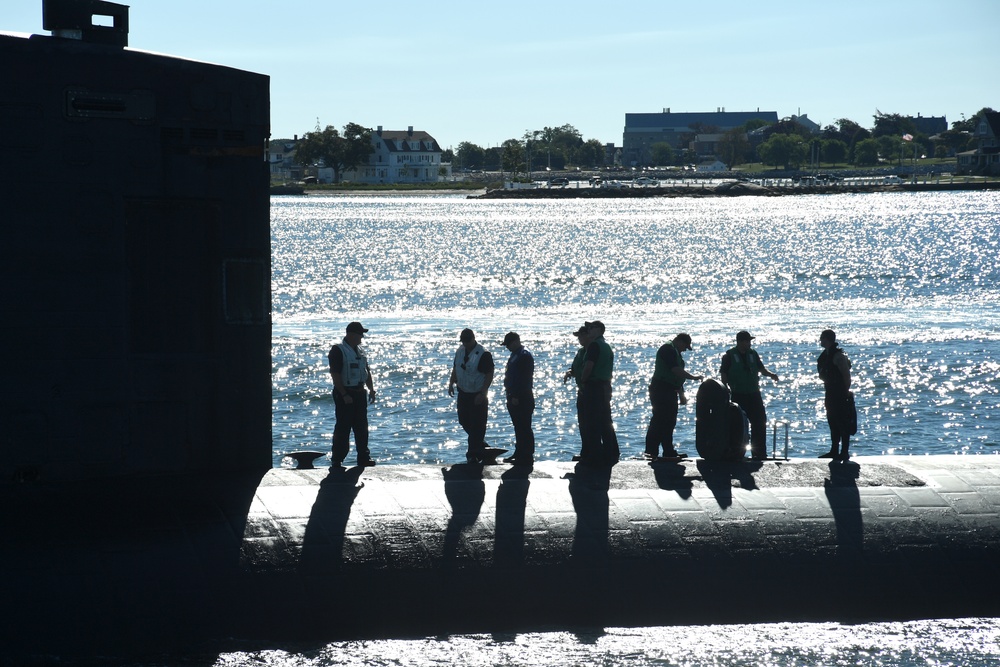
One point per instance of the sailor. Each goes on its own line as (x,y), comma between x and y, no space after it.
(472,372)
(835,370)
(666,392)
(518,384)
(351,374)
(599,442)
(740,371)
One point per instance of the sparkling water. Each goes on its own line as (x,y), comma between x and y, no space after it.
(949,643)
(908,280)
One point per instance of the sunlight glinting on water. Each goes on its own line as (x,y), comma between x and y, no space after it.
(939,643)
(909,281)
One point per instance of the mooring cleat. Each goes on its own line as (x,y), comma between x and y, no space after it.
(304,460)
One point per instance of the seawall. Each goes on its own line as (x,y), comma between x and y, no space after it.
(167,563)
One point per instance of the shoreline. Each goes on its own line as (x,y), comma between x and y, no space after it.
(727,189)
(733,189)
(395,193)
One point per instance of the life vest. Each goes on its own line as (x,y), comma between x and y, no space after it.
(743,372)
(355,370)
(577,367)
(662,373)
(829,372)
(605,362)
(470,380)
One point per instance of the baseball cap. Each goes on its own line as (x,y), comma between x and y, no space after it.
(744,335)
(355,327)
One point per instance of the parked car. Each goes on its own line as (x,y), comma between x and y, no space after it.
(613,185)
(558,182)
(595,180)
(646,180)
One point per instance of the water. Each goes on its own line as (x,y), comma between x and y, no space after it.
(909,282)
(952,643)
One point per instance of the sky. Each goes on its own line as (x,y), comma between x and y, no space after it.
(487,72)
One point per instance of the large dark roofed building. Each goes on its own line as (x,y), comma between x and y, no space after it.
(642,130)
(929,125)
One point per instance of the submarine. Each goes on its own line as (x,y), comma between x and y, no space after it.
(143,516)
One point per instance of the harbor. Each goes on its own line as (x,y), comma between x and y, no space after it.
(168,326)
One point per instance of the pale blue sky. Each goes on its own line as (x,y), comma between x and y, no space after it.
(486,72)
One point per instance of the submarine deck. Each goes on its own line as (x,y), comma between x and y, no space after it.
(421,549)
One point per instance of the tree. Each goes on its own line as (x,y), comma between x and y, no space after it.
(848,131)
(512,158)
(969,125)
(547,135)
(558,145)
(786,126)
(470,156)
(493,158)
(732,147)
(340,152)
(955,141)
(532,145)
(892,124)
(889,146)
(866,152)
(783,150)
(663,153)
(589,154)
(834,150)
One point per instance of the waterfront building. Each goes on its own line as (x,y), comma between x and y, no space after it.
(985,159)
(281,159)
(929,125)
(642,130)
(410,156)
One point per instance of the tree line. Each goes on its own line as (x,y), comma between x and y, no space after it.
(785,144)
(892,138)
(551,148)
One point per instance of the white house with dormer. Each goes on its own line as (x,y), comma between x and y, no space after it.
(410,156)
